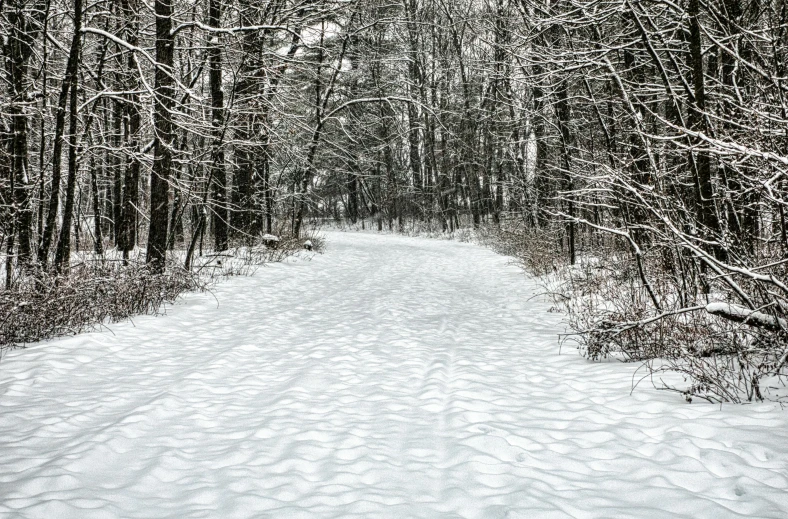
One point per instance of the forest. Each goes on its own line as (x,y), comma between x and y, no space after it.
(634,152)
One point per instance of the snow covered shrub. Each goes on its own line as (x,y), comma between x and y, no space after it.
(536,249)
(464,235)
(657,303)
(244,259)
(289,245)
(318,241)
(722,351)
(95,292)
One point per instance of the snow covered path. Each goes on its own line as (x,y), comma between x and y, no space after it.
(390,377)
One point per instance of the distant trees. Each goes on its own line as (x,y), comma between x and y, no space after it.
(662,126)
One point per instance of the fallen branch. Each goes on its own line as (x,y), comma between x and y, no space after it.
(744,315)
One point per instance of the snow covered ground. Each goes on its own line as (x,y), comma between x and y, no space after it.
(390,377)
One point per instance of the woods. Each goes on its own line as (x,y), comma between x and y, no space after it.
(639,148)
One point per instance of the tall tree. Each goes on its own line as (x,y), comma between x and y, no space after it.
(25,22)
(63,253)
(128,194)
(164,102)
(218,171)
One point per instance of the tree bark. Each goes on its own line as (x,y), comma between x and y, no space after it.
(219,174)
(69,80)
(164,84)
(129,192)
(703,180)
(63,253)
(18,48)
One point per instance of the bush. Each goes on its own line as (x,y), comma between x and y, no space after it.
(98,291)
(609,303)
(537,250)
(41,307)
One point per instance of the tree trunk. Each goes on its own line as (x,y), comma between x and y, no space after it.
(117,175)
(98,235)
(704,188)
(69,80)
(129,204)
(564,117)
(63,253)
(156,253)
(219,184)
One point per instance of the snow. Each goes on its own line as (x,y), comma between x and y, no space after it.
(390,377)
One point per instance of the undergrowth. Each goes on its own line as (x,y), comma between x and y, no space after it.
(94,292)
(102,290)
(652,315)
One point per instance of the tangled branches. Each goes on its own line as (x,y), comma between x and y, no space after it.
(94,292)
(698,341)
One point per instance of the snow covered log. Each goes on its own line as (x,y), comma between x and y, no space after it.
(744,315)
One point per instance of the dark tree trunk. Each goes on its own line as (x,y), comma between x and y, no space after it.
(98,235)
(268,194)
(415,84)
(218,173)
(352,197)
(129,202)
(42,127)
(704,188)
(564,117)
(63,253)
(156,252)
(69,80)
(117,173)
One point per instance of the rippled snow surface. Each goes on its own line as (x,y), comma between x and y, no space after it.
(390,377)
